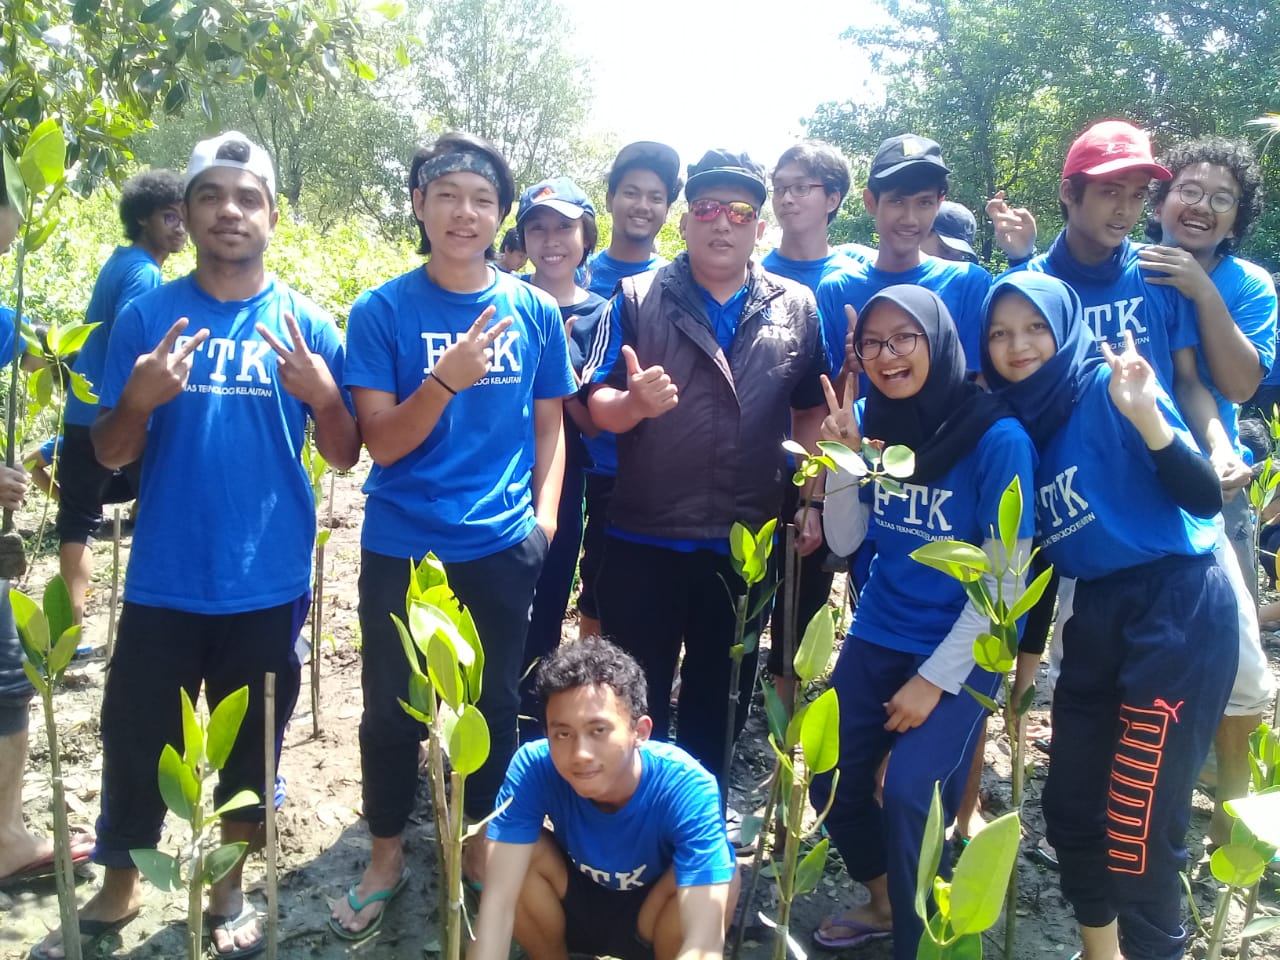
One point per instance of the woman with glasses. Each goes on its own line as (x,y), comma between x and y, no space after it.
(1201,216)
(909,653)
(1125,505)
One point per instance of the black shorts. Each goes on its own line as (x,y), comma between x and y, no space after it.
(601,922)
(599,493)
(84,485)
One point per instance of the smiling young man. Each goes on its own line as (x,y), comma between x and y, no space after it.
(221,367)
(643,183)
(150,210)
(1201,216)
(702,367)
(458,372)
(636,865)
(907,184)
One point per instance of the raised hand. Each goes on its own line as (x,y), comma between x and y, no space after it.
(1015,227)
(162,374)
(840,425)
(852,365)
(1133,386)
(1174,267)
(467,359)
(302,373)
(651,391)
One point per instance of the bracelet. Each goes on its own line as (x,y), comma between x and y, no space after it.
(810,503)
(436,378)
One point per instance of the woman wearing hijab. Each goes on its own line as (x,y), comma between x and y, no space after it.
(1124,504)
(900,673)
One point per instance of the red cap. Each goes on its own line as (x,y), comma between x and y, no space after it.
(1112,146)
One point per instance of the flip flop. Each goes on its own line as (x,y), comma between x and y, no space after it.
(47,867)
(862,935)
(230,923)
(92,933)
(1043,854)
(356,904)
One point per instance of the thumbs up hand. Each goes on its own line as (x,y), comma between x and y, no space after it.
(650,390)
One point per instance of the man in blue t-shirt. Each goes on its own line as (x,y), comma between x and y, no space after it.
(907,183)
(643,183)
(636,864)
(1201,216)
(210,380)
(150,210)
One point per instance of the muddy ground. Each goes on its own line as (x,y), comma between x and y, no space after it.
(323,844)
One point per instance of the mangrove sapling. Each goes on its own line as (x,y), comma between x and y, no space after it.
(997,650)
(1239,865)
(970,903)
(805,743)
(49,638)
(749,553)
(205,749)
(441,635)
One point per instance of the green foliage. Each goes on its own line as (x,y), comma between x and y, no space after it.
(970,903)
(102,68)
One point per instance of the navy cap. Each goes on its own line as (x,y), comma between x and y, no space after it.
(560,194)
(649,155)
(956,227)
(720,166)
(906,150)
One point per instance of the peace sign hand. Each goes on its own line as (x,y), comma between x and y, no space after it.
(1133,386)
(302,373)
(840,425)
(467,359)
(162,374)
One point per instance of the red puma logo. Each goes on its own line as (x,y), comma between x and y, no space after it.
(1171,710)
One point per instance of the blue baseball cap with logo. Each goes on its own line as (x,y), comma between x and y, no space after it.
(560,194)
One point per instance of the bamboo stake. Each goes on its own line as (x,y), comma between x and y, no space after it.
(269,796)
(115,583)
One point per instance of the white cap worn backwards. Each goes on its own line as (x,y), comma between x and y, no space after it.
(232,149)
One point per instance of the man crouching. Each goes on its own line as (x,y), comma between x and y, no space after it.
(638,866)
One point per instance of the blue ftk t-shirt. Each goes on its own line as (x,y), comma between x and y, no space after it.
(673,819)
(230,516)
(128,273)
(910,607)
(466,491)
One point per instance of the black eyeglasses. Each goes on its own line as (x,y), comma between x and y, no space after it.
(171,219)
(797,190)
(1193,193)
(739,211)
(900,344)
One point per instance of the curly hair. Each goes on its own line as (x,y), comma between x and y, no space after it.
(464,143)
(822,160)
(1233,155)
(592,662)
(145,193)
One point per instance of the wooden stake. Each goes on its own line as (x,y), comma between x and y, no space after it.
(115,583)
(269,796)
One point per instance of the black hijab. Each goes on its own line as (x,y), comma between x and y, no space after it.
(945,420)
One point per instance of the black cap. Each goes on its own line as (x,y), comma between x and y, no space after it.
(726,167)
(956,227)
(649,155)
(906,150)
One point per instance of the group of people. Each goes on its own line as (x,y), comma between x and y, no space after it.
(615,414)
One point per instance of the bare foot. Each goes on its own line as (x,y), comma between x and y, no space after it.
(381,874)
(19,849)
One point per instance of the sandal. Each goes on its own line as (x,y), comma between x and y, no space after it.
(356,904)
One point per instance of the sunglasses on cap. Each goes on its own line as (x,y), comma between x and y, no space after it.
(739,211)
